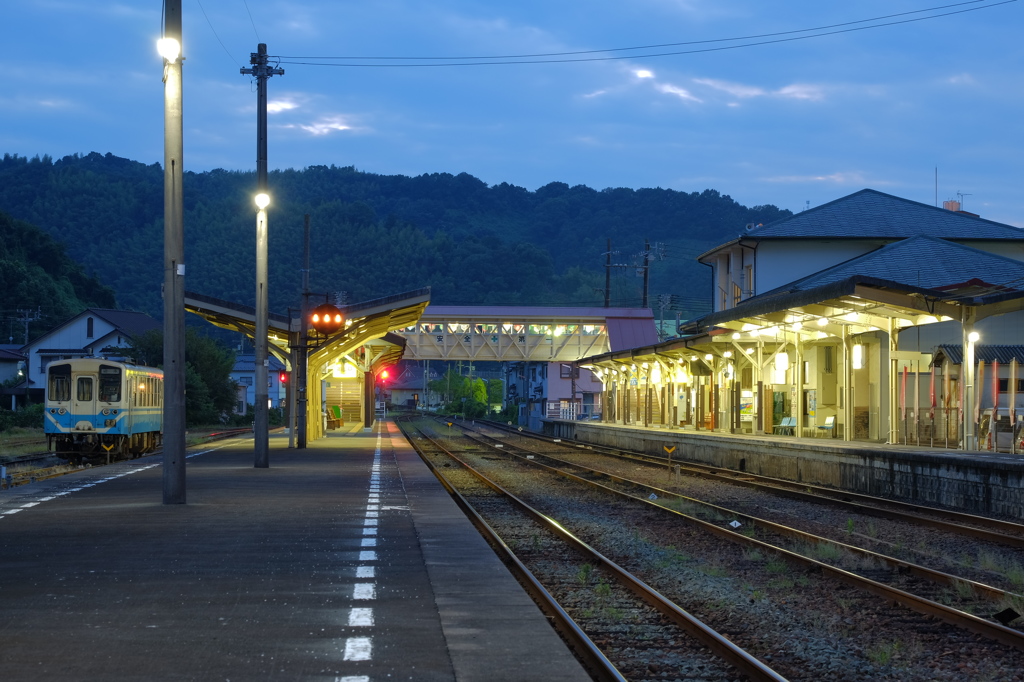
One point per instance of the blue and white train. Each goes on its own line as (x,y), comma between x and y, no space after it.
(98,408)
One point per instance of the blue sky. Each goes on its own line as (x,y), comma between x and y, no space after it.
(786,123)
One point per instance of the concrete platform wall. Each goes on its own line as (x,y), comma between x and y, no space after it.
(977,483)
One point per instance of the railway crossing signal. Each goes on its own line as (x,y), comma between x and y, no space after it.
(326,319)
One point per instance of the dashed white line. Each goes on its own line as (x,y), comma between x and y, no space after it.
(360,618)
(358,649)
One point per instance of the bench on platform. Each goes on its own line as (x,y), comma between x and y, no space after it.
(829,425)
(786,426)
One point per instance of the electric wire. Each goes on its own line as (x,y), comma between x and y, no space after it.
(200,3)
(244,2)
(504,60)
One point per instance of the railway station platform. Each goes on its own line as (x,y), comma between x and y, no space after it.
(346,561)
(988,483)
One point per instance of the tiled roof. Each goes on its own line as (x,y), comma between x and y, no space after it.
(10,355)
(130,323)
(983,353)
(871,214)
(925,263)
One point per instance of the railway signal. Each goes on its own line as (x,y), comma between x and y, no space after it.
(326,319)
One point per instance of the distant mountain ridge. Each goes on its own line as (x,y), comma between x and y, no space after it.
(373,235)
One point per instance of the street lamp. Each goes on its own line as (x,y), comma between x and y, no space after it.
(174,262)
(261,414)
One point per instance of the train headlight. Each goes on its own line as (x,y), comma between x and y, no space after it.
(106,411)
(61,411)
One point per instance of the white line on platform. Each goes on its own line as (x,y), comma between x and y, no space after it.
(368,542)
(360,618)
(368,556)
(365,572)
(358,649)
(364,591)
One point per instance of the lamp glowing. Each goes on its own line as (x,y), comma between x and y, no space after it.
(169,49)
(262,200)
(973,337)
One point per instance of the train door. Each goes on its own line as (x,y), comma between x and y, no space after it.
(83,396)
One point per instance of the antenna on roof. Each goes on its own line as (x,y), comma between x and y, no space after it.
(807,204)
(961,196)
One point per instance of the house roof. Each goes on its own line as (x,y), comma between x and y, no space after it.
(872,214)
(129,322)
(982,353)
(10,355)
(924,263)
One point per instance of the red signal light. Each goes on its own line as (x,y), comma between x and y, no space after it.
(384,375)
(283,377)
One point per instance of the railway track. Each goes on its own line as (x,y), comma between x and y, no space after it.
(559,568)
(995,530)
(880,575)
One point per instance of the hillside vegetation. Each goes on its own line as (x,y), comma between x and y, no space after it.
(375,234)
(39,279)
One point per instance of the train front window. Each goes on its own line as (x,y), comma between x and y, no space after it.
(110,384)
(84,391)
(60,383)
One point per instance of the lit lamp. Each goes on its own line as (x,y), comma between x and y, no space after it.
(262,201)
(169,49)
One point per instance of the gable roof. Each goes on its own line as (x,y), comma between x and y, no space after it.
(924,263)
(871,214)
(126,321)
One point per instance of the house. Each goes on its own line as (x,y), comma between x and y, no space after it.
(819,317)
(12,374)
(763,258)
(244,376)
(94,332)
(407,386)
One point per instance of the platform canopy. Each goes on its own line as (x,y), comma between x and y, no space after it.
(367,340)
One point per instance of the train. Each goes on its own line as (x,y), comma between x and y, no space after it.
(101,409)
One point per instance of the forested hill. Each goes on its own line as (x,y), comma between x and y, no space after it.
(375,234)
(40,282)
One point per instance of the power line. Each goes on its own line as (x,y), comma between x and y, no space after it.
(541,58)
(251,21)
(200,3)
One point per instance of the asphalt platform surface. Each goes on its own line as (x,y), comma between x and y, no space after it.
(346,561)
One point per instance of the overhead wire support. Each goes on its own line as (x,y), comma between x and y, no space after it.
(261,71)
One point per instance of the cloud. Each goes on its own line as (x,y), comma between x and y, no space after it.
(278,105)
(800,91)
(854,178)
(323,126)
(734,89)
(962,79)
(681,93)
(794,91)
(643,73)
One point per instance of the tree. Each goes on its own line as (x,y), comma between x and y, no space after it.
(209,389)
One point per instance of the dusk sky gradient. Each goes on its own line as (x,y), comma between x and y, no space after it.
(786,123)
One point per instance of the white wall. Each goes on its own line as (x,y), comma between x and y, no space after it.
(781,262)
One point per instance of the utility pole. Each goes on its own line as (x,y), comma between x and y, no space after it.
(261,427)
(301,367)
(28,316)
(174,262)
(647,270)
(608,276)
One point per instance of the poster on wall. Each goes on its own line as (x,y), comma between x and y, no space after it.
(746,406)
(811,396)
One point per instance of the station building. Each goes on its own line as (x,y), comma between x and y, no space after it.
(829,323)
